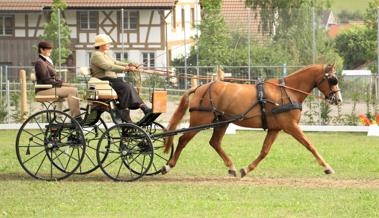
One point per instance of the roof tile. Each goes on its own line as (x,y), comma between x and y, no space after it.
(33,5)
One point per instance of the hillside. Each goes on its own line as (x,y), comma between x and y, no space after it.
(350,5)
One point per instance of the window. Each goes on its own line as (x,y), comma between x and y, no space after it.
(183,18)
(192,17)
(88,20)
(130,20)
(118,56)
(148,59)
(88,58)
(170,57)
(174,19)
(6,25)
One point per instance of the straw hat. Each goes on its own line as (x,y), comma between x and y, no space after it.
(102,39)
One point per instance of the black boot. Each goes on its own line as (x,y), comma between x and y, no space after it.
(146,110)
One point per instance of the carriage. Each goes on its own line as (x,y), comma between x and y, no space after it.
(51,145)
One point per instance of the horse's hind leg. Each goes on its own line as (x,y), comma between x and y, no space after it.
(270,138)
(296,132)
(215,142)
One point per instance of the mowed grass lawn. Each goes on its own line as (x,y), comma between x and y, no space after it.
(288,183)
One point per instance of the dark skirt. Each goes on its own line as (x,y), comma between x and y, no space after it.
(127,94)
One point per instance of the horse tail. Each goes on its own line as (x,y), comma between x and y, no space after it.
(177,117)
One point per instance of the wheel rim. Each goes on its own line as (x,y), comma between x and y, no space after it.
(44,148)
(127,155)
(160,158)
(92,136)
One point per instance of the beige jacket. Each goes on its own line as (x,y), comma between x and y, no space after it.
(102,65)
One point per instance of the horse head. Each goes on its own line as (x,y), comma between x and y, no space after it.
(328,85)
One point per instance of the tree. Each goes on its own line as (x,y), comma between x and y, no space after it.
(281,14)
(214,40)
(371,15)
(371,21)
(292,21)
(357,46)
(51,32)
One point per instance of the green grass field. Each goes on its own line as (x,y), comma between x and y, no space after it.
(349,5)
(288,183)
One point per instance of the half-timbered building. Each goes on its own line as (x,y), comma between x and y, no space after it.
(143,31)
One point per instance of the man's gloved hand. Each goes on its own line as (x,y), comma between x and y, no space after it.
(135,67)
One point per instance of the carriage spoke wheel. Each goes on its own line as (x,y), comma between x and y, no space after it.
(92,136)
(50,145)
(160,158)
(125,152)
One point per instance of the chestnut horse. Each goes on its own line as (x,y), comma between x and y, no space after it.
(222,100)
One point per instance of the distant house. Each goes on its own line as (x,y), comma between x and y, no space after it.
(181,27)
(149,30)
(328,19)
(242,19)
(336,29)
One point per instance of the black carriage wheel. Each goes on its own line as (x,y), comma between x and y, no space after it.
(160,158)
(50,145)
(127,152)
(92,135)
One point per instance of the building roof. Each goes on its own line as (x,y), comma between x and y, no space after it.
(38,5)
(236,16)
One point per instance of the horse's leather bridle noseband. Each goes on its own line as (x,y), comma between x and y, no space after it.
(332,81)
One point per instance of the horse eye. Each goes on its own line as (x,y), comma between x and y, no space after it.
(333,81)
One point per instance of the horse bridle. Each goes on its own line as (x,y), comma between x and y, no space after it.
(332,81)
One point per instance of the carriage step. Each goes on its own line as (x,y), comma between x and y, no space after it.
(147,120)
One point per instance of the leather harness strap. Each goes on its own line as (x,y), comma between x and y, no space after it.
(262,102)
(285,107)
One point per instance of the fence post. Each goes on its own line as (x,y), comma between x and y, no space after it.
(24,111)
(284,70)
(194,82)
(220,74)
(8,101)
(1,81)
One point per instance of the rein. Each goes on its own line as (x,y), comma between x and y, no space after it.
(301,91)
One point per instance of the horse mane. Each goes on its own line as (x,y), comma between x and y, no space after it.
(303,69)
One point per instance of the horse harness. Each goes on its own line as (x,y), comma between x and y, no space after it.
(261,101)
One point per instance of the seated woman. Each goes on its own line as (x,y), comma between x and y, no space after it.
(104,67)
(46,74)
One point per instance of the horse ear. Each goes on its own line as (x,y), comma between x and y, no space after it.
(330,67)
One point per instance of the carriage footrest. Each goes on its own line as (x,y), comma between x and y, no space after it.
(287,107)
(147,120)
(60,126)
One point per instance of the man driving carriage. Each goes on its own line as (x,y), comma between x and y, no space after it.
(103,67)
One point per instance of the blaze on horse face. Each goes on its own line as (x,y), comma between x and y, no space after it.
(328,85)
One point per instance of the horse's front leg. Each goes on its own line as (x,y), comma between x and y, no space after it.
(269,140)
(215,142)
(298,134)
(183,141)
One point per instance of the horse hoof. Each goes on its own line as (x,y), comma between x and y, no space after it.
(232,173)
(165,169)
(329,171)
(243,172)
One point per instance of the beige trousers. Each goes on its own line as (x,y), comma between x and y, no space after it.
(71,93)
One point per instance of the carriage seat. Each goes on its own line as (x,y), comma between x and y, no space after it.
(44,98)
(98,89)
